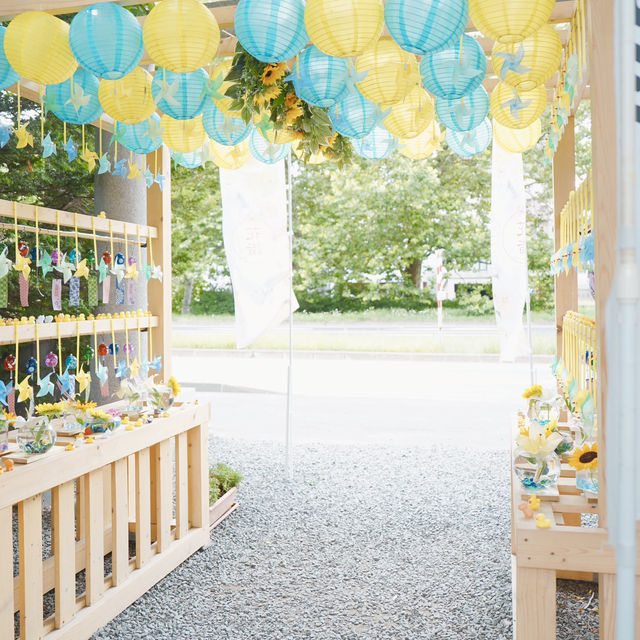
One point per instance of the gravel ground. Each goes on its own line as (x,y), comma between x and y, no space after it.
(365,543)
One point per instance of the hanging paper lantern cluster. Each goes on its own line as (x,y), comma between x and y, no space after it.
(7,75)
(422,146)
(517,109)
(421,26)
(180,95)
(463,114)
(377,145)
(467,144)
(266,151)
(354,116)
(410,117)
(76,100)
(319,79)
(144,137)
(183,135)
(129,99)
(517,140)
(230,158)
(223,128)
(271,30)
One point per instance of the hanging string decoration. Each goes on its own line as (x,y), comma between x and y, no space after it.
(223,128)
(517,140)
(517,109)
(144,137)
(107,40)
(354,116)
(76,100)
(467,144)
(181,35)
(271,30)
(424,145)
(410,117)
(180,95)
(230,158)
(527,64)
(377,145)
(266,151)
(183,135)
(37,47)
(463,114)
(421,26)
(129,99)
(344,29)
(453,73)
(319,79)
(7,74)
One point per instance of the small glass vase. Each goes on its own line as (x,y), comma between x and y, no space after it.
(536,472)
(566,444)
(587,480)
(544,410)
(36,436)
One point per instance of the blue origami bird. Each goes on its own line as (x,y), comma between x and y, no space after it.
(71,149)
(5,390)
(46,386)
(120,169)
(512,62)
(105,165)
(148,177)
(5,136)
(65,382)
(516,105)
(49,147)
(121,369)
(156,364)
(144,368)
(160,180)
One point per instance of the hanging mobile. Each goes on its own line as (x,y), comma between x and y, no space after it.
(45,385)
(74,257)
(23,388)
(66,382)
(92,282)
(83,378)
(134,369)
(118,271)
(56,260)
(8,392)
(102,373)
(131,274)
(23,262)
(105,268)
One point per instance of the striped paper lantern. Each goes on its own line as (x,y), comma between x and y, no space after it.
(319,79)
(467,144)
(82,87)
(517,140)
(377,145)
(354,116)
(7,74)
(223,128)
(517,109)
(422,146)
(129,99)
(139,137)
(410,117)
(266,151)
(230,158)
(184,136)
(463,114)
(180,95)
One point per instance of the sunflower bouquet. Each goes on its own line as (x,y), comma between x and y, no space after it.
(585,461)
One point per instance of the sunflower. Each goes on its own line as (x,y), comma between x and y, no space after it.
(585,458)
(49,408)
(267,96)
(332,139)
(533,392)
(174,386)
(291,100)
(98,414)
(272,73)
(84,406)
(293,114)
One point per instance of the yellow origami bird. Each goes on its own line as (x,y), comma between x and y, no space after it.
(25,389)
(82,271)
(23,265)
(134,172)
(83,378)
(90,158)
(131,272)
(24,137)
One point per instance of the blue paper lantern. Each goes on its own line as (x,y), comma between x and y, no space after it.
(319,79)
(223,128)
(141,138)
(420,26)
(7,75)
(271,30)
(354,116)
(67,100)
(466,113)
(107,40)
(449,74)
(265,151)
(467,144)
(180,95)
(377,145)
(188,160)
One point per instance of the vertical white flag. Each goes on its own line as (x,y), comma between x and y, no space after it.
(509,250)
(254,222)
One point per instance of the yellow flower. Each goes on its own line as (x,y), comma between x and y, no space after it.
(49,408)
(84,406)
(524,431)
(536,442)
(585,458)
(293,114)
(551,428)
(98,414)
(267,96)
(533,392)
(332,140)
(272,73)
(291,100)
(174,386)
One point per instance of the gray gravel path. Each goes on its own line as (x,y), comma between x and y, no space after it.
(367,543)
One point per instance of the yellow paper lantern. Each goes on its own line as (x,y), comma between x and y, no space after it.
(230,158)
(390,71)
(129,99)
(37,47)
(184,136)
(527,64)
(424,145)
(510,20)
(344,29)
(181,35)
(517,140)
(412,115)
(517,109)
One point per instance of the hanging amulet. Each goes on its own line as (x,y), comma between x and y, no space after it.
(102,349)
(106,256)
(51,360)
(10,363)
(23,249)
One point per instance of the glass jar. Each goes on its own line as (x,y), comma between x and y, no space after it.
(566,444)
(36,436)
(587,480)
(544,410)
(536,472)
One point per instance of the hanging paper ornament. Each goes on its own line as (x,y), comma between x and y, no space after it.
(218,87)
(450,73)
(411,116)
(271,30)
(230,158)
(527,64)
(509,20)
(183,135)
(181,35)
(319,79)
(463,114)
(422,146)
(517,109)
(76,100)
(188,160)
(7,75)
(377,145)
(107,40)
(129,99)
(265,151)
(467,144)
(420,26)
(223,128)
(517,140)
(10,363)
(180,95)
(344,29)
(390,72)
(142,138)
(32,366)
(354,116)
(37,47)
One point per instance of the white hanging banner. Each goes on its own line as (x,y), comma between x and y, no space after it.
(509,250)
(254,224)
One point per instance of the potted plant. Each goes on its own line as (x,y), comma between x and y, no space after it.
(223,486)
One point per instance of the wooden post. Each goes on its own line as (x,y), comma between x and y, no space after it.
(535,604)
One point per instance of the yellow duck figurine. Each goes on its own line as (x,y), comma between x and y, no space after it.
(534,503)
(542,522)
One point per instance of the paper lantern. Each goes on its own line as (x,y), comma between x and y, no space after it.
(188,160)
(377,145)
(141,138)
(223,128)
(420,26)
(37,47)
(448,73)
(76,100)
(510,20)
(344,29)
(517,140)
(230,158)
(467,144)
(527,64)
(265,151)
(411,116)
(319,79)
(183,135)
(517,109)
(271,30)
(422,146)
(181,35)
(463,114)
(107,40)
(129,99)
(279,136)
(354,116)
(390,72)
(7,75)
(180,95)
